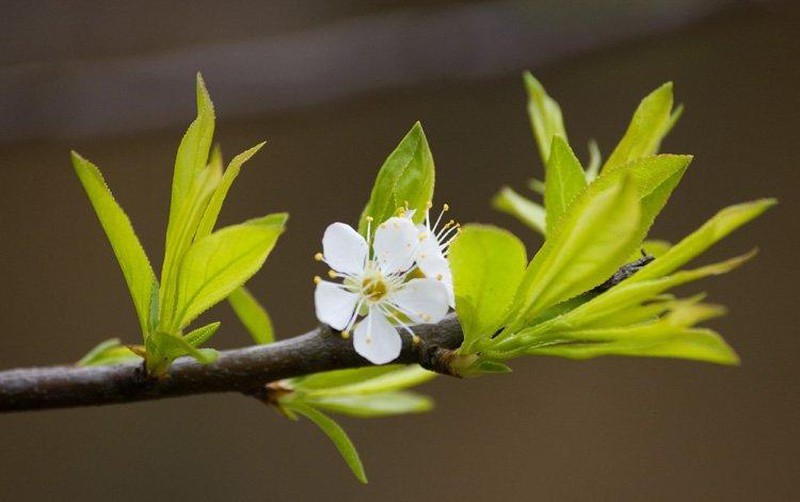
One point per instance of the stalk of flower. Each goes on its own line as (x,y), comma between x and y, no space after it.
(375,285)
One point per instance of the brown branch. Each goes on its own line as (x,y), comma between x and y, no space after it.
(245,370)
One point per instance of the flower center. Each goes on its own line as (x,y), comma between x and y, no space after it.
(374,288)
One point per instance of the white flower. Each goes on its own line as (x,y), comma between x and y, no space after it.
(431,255)
(375,286)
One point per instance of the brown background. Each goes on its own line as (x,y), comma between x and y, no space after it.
(554,429)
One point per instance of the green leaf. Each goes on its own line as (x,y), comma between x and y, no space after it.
(163,348)
(193,184)
(564,180)
(487,265)
(595,161)
(129,252)
(714,230)
(375,405)
(528,212)
(373,383)
(337,435)
(107,353)
(628,294)
(407,176)
(193,150)
(592,241)
(655,178)
(201,335)
(221,262)
(253,316)
(339,378)
(651,340)
(209,219)
(545,116)
(651,121)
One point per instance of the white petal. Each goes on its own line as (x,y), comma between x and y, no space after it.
(376,339)
(344,249)
(334,305)
(423,300)
(395,243)
(430,258)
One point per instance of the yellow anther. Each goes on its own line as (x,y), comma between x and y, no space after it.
(318,256)
(415,340)
(426,317)
(345,335)
(422,237)
(439,277)
(369,218)
(446,207)
(332,274)
(429,204)
(317,279)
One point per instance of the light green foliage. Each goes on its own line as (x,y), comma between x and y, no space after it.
(545,116)
(337,435)
(406,179)
(127,248)
(221,262)
(527,211)
(107,353)
(592,240)
(564,180)
(651,121)
(369,392)
(487,265)
(254,317)
(596,223)
(201,267)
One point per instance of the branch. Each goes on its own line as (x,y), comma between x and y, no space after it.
(246,370)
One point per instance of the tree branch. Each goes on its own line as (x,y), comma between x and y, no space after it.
(245,370)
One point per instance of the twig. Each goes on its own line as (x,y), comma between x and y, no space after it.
(245,370)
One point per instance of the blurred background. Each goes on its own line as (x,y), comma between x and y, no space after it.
(332,87)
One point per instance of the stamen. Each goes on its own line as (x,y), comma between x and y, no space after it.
(345,335)
(318,257)
(332,274)
(415,340)
(317,279)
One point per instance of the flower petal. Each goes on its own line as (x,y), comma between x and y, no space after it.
(344,249)
(376,339)
(423,300)
(334,305)
(396,241)
(438,268)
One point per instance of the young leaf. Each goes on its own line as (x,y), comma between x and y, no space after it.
(129,252)
(252,315)
(201,335)
(595,161)
(628,294)
(487,265)
(714,230)
(107,353)
(375,405)
(221,262)
(564,180)
(337,435)
(398,379)
(209,219)
(650,340)
(193,183)
(407,176)
(528,212)
(545,116)
(170,347)
(340,378)
(651,121)
(592,240)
